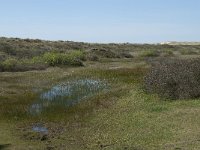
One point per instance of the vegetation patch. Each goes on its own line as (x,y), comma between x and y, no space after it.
(103,53)
(73,58)
(175,78)
(125,117)
(150,53)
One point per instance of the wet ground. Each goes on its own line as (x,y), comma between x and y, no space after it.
(68,94)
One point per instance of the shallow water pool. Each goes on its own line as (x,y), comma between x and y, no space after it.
(68,94)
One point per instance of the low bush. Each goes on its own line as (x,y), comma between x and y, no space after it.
(103,53)
(36,60)
(167,53)
(188,52)
(3,56)
(73,58)
(52,58)
(7,48)
(77,54)
(126,55)
(15,65)
(9,64)
(92,57)
(150,53)
(175,79)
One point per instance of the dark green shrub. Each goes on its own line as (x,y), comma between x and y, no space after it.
(175,78)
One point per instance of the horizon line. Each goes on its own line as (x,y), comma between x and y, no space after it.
(56,40)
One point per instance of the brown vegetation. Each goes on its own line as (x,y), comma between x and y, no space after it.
(175,78)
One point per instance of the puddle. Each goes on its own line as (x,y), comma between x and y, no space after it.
(40,129)
(68,94)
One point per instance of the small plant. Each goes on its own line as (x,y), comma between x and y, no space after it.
(175,79)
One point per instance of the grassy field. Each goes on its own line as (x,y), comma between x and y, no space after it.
(124,117)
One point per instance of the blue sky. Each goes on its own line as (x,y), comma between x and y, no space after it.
(134,21)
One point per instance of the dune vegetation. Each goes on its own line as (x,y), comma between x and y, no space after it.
(145,96)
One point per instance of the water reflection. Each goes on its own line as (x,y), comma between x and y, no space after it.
(68,94)
(40,129)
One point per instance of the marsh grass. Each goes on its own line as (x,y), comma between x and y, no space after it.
(17,106)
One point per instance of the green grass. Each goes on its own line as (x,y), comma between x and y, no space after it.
(131,123)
